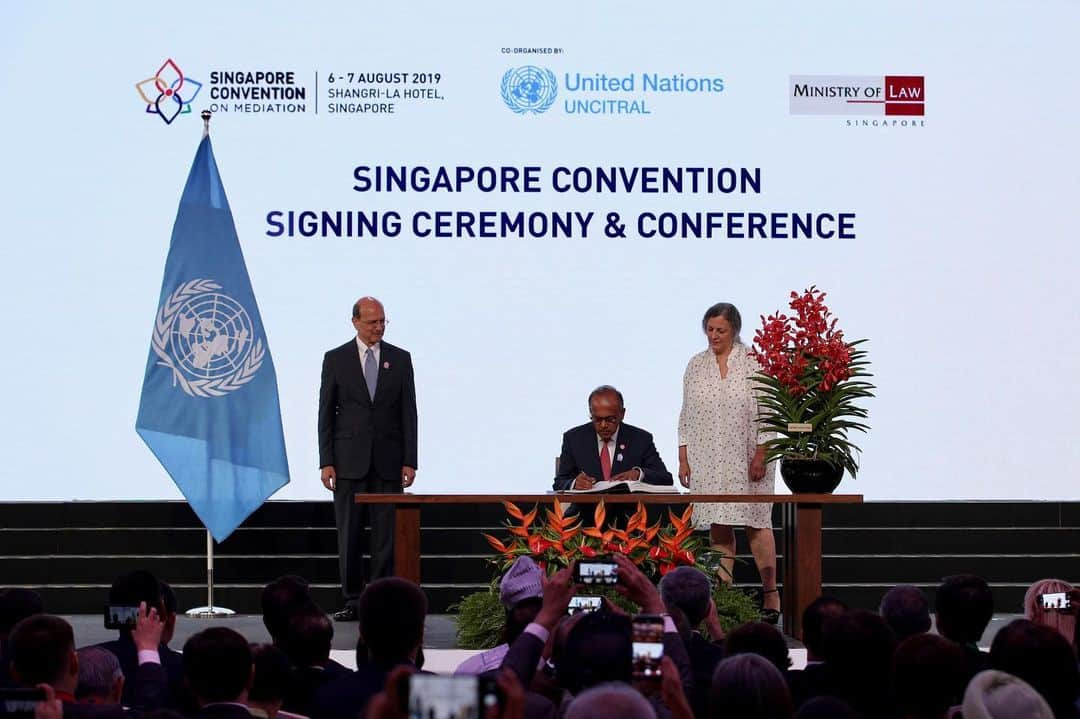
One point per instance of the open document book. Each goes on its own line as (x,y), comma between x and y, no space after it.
(626,488)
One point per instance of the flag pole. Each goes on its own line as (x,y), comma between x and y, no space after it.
(209,611)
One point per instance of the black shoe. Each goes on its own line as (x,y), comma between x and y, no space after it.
(770,616)
(348,614)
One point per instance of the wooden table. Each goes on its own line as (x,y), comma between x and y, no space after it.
(801,548)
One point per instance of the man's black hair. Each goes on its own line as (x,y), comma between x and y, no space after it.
(282,598)
(308,639)
(217,665)
(391,612)
(39,649)
(964,607)
(273,673)
(597,650)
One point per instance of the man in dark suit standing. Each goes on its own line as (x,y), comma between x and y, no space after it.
(605,449)
(367,442)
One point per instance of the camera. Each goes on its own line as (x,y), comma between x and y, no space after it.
(435,696)
(647,645)
(584,604)
(1055,600)
(120,617)
(596,571)
(19,702)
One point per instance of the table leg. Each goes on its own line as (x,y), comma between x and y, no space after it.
(407,541)
(804,566)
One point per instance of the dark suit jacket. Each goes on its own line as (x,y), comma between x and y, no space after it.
(346,696)
(176,696)
(356,433)
(581,453)
(306,682)
(222,711)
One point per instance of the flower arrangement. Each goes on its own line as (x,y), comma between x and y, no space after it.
(810,383)
(560,539)
(556,540)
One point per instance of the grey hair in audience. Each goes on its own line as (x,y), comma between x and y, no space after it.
(907,611)
(748,685)
(997,695)
(688,589)
(99,671)
(613,700)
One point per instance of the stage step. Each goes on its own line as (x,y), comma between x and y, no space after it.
(71,551)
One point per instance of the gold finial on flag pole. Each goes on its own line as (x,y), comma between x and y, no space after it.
(206,123)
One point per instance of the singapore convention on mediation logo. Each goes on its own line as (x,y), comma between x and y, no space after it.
(168,94)
(529,89)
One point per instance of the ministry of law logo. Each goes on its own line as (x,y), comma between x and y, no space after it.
(207,339)
(168,94)
(529,89)
(890,95)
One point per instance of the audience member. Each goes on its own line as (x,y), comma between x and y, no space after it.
(391,613)
(170,606)
(307,643)
(762,639)
(16,604)
(814,680)
(997,695)
(1043,658)
(688,591)
(964,607)
(907,611)
(858,647)
(101,681)
(281,599)
(131,590)
(826,707)
(1061,619)
(43,652)
(749,685)
(614,700)
(219,670)
(927,677)
(273,676)
(520,591)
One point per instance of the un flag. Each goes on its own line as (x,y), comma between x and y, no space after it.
(209,409)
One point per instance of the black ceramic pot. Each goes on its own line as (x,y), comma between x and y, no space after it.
(810,476)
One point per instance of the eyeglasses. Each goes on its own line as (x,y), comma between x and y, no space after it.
(371,323)
(604,420)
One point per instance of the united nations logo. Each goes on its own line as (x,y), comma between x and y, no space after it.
(529,89)
(207,339)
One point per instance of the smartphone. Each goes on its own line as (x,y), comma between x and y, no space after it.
(647,645)
(584,604)
(1056,600)
(596,571)
(438,696)
(120,617)
(20,702)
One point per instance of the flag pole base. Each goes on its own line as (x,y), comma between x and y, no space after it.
(209,613)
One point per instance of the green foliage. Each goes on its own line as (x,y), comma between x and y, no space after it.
(481,620)
(734,607)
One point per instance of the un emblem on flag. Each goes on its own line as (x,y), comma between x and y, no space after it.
(207,339)
(529,89)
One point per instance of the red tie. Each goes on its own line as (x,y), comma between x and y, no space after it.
(605,461)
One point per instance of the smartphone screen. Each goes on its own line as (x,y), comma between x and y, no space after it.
(19,701)
(584,604)
(1055,600)
(120,617)
(594,571)
(647,645)
(436,696)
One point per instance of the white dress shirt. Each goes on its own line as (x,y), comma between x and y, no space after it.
(613,448)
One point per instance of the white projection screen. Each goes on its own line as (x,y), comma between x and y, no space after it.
(932,146)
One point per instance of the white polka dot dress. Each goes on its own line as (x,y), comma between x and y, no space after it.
(718,425)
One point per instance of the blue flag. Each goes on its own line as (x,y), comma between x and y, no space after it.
(209,409)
